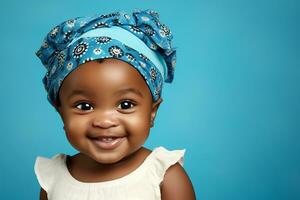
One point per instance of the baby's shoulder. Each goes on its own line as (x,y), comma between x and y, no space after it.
(47,169)
(162,159)
(176,184)
(174,181)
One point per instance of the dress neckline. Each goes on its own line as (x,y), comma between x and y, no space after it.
(124,179)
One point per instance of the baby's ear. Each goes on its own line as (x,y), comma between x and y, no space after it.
(57,106)
(155,107)
(58,109)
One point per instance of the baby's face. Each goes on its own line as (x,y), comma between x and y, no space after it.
(102,100)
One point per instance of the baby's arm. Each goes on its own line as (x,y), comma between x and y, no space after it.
(43,195)
(177,185)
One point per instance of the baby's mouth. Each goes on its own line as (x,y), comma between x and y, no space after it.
(107,142)
(106,139)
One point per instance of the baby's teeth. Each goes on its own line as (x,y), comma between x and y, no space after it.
(107,139)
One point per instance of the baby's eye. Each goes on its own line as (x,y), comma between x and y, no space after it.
(84,106)
(126,105)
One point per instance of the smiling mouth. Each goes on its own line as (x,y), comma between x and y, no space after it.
(107,143)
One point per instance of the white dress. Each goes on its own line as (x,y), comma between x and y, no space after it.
(141,184)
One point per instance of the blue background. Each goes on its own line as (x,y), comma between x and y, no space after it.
(233,105)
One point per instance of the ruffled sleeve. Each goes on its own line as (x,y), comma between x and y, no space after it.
(163,159)
(46,170)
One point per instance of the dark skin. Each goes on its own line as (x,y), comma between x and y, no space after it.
(121,105)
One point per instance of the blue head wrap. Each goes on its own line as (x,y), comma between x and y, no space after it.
(139,39)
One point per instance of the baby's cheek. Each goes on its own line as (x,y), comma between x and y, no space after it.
(138,124)
(75,125)
(76,132)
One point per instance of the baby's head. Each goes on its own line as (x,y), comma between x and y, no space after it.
(105,77)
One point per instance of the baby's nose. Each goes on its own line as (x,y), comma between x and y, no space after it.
(104,120)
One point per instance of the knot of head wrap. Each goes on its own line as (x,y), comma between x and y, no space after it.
(69,44)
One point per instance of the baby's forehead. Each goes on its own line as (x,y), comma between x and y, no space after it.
(107,71)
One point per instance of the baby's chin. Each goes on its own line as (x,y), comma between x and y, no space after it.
(109,158)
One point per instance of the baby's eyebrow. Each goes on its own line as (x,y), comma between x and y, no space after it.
(122,91)
(76,92)
(128,90)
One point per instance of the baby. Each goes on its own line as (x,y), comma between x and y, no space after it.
(104,77)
